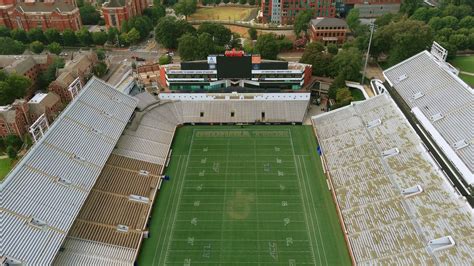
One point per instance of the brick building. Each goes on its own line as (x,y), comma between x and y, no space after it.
(285,11)
(328,30)
(116,11)
(48,104)
(14,119)
(80,67)
(373,8)
(29,66)
(57,14)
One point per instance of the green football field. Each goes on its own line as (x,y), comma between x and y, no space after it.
(255,195)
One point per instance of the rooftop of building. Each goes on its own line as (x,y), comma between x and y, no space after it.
(46,7)
(329,22)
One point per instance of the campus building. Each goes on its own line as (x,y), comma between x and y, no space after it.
(235,71)
(374,8)
(328,30)
(30,14)
(285,11)
(116,11)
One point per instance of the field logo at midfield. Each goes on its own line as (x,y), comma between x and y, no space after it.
(238,207)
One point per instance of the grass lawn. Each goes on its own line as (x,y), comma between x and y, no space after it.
(467,78)
(357,95)
(223,13)
(5,167)
(465,63)
(255,196)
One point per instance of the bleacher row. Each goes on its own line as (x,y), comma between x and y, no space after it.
(116,212)
(425,82)
(387,218)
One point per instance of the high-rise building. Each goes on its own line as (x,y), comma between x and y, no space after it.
(285,11)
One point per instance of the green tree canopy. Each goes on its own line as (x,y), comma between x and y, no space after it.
(220,34)
(187,47)
(99,37)
(347,63)
(352,19)
(69,38)
(302,21)
(54,48)
(12,152)
(409,6)
(253,33)
(36,34)
(133,36)
(164,59)
(100,69)
(100,54)
(267,46)
(89,14)
(112,35)
(169,30)
(4,31)
(84,36)
(402,39)
(37,47)
(10,46)
(155,13)
(185,7)
(19,35)
(343,95)
(13,87)
(314,55)
(52,35)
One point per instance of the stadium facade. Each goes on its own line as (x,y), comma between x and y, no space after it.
(235,71)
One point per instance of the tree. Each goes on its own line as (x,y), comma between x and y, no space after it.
(112,35)
(155,13)
(142,24)
(69,38)
(84,36)
(205,45)
(19,35)
(242,2)
(99,37)
(133,36)
(164,60)
(37,47)
(4,31)
(100,54)
(10,46)
(343,95)
(124,28)
(467,22)
(100,69)
(185,7)
(426,13)
(14,141)
(347,63)
(169,30)
(267,46)
(314,55)
(54,48)
(461,41)
(401,39)
(253,33)
(47,76)
(252,2)
(332,48)
(220,34)
(14,86)
(302,21)
(409,6)
(36,34)
(89,15)
(52,35)
(187,47)
(353,19)
(12,153)
(458,11)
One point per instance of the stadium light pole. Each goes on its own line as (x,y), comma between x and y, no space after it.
(372,28)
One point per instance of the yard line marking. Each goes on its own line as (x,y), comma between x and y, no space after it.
(303,202)
(179,199)
(225,193)
(314,211)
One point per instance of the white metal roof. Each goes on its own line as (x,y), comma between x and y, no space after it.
(235,96)
(54,178)
(442,102)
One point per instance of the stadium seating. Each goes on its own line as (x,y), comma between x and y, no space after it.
(392,203)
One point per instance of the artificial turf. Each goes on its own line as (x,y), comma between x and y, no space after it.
(252,195)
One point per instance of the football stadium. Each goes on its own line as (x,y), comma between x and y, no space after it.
(245,178)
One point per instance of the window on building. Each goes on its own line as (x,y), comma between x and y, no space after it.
(201,114)
(263,115)
(232,114)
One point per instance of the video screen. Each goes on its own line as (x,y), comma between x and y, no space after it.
(234,67)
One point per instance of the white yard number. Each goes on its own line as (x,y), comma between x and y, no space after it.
(289,241)
(187,262)
(284,203)
(286,221)
(194,221)
(191,241)
(196,203)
